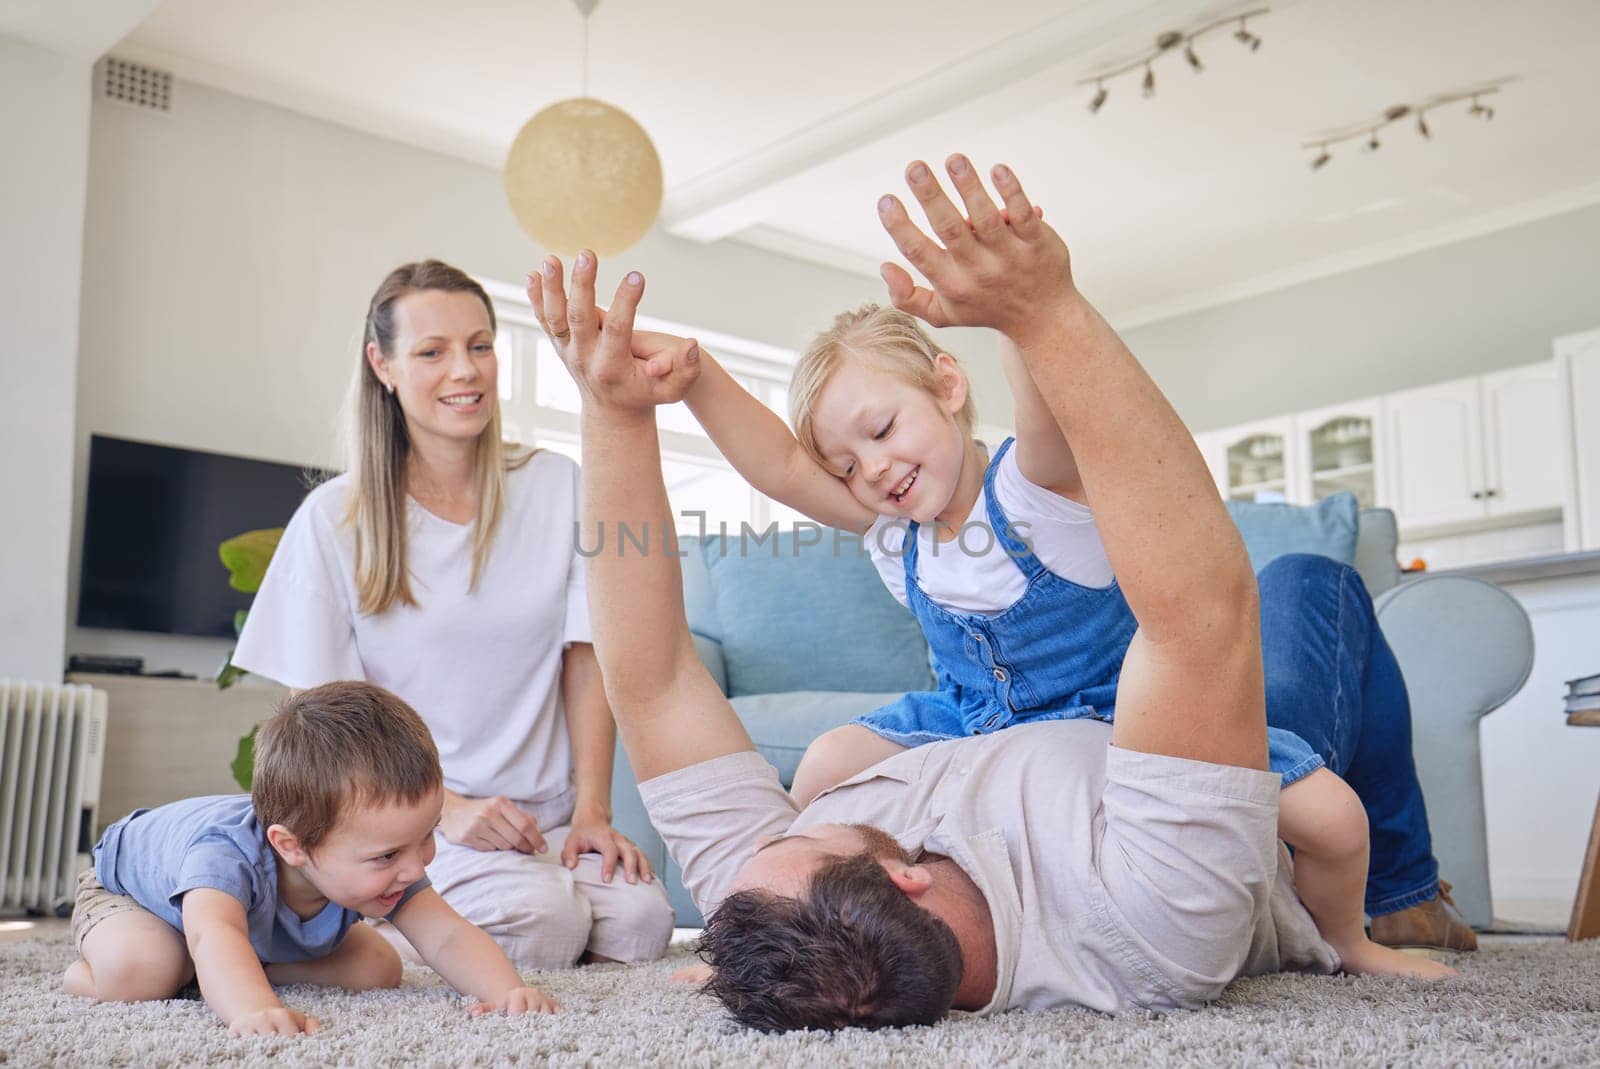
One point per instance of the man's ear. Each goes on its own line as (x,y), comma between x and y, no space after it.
(913,880)
(287,845)
(953,385)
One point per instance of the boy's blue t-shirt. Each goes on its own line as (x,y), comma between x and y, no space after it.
(156,855)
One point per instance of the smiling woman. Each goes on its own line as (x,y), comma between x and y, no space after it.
(442,567)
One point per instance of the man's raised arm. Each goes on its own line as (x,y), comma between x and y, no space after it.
(669,711)
(1191,685)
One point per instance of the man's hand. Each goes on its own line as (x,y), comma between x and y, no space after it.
(597,836)
(490,824)
(276,1021)
(518,1000)
(597,345)
(995,267)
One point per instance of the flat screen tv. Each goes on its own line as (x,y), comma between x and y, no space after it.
(152,523)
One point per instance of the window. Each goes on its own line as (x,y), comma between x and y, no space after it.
(539,405)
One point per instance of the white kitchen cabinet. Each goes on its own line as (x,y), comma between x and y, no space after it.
(1476,449)
(1261,461)
(1214,452)
(1522,443)
(1340,448)
(1434,438)
(1578,365)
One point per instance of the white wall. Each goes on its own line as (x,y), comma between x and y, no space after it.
(1478,305)
(231,249)
(44,126)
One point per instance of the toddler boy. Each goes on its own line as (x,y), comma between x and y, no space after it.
(245,892)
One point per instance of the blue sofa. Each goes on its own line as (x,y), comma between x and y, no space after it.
(802,636)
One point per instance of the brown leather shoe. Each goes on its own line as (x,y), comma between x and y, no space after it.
(1434,924)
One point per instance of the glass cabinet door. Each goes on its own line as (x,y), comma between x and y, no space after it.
(1339,449)
(1342,459)
(1258,465)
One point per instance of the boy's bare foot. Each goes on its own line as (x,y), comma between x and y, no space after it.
(693,974)
(1368,958)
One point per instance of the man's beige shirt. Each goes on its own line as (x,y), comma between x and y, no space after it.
(1116,879)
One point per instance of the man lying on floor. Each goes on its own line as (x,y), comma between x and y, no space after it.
(1134,864)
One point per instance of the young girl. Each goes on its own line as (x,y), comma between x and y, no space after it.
(1000,561)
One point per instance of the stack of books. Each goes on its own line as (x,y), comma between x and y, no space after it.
(1583,701)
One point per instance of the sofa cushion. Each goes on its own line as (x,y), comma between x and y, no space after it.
(783,725)
(1327,528)
(794,615)
(1377,542)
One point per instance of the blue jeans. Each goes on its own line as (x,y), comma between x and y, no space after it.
(1332,680)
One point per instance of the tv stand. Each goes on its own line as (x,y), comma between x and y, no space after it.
(168,739)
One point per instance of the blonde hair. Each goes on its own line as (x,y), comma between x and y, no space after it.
(883,338)
(378,447)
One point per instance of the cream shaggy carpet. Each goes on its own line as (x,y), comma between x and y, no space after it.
(1520,1002)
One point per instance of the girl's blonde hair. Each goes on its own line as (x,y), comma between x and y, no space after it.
(883,338)
(377,448)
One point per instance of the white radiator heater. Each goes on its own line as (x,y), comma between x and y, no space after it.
(52,747)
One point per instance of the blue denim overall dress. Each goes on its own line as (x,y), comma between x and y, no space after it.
(1054,654)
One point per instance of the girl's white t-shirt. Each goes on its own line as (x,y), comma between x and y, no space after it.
(973,572)
(481,667)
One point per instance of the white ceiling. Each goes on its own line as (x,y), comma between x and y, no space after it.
(781,124)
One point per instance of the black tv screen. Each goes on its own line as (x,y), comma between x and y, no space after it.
(154,518)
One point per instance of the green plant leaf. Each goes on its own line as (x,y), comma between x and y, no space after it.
(244,761)
(246,557)
(229,673)
(238,623)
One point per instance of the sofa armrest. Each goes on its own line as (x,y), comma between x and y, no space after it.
(1465,647)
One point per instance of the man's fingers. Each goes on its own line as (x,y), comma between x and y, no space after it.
(947,223)
(553,291)
(909,297)
(1024,221)
(619,317)
(913,244)
(580,308)
(982,215)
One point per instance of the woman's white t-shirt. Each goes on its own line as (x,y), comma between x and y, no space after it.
(481,667)
(973,572)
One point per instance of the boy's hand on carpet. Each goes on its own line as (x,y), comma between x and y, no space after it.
(693,974)
(518,1000)
(277,1021)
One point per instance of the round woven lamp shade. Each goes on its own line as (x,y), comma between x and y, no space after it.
(583,174)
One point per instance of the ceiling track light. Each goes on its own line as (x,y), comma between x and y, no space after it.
(1170,41)
(1367,131)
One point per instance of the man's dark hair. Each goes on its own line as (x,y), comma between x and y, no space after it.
(852,952)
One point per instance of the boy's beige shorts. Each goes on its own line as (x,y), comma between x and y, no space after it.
(94,904)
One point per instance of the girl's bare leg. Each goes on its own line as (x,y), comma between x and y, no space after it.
(1321,817)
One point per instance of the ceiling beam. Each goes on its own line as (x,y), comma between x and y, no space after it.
(743,193)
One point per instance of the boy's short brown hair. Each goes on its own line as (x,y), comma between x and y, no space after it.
(335,746)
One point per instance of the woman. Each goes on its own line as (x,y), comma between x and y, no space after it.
(442,567)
